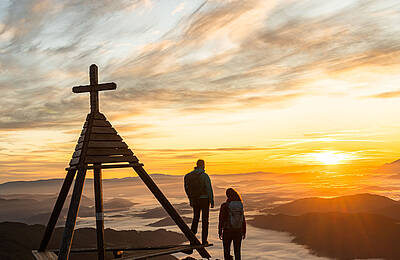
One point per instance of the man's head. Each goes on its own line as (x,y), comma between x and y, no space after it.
(200,164)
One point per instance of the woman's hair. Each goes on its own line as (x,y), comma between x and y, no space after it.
(233,195)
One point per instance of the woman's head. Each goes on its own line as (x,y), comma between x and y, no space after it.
(233,195)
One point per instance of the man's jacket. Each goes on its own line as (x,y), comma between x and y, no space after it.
(205,184)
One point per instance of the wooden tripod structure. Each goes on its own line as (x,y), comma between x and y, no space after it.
(100,147)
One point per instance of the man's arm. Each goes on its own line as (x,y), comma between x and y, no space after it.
(244,228)
(209,190)
(185,184)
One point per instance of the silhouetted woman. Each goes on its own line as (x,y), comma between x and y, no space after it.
(232,224)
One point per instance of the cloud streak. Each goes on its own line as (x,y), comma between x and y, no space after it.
(228,55)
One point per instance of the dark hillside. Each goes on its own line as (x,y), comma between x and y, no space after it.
(18,239)
(339,235)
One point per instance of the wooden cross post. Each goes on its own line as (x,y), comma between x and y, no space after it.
(99,143)
(94,88)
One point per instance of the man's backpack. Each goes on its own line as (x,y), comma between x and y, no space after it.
(194,185)
(235,214)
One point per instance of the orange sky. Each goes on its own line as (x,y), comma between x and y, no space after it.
(270,86)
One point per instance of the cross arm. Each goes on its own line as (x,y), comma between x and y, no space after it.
(98,87)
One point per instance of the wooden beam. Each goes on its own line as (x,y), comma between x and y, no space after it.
(47,255)
(99,115)
(107,144)
(108,166)
(74,161)
(109,151)
(98,195)
(114,166)
(103,130)
(79,146)
(105,137)
(159,252)
(57,209)
(66,241)
(111,249)
(170,209)
(98,87)
(77,153)
(94,95)
(108,159)
(103,123)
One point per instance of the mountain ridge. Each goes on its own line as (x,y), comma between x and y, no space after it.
(336,235)
(357,203)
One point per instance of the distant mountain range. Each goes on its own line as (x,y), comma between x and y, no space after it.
(36,208)
(339,235)
(360,203)
(347,227)
(390,168)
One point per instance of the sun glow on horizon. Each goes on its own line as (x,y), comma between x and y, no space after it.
(326,157)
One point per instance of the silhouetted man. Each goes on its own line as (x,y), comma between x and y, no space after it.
(199,191)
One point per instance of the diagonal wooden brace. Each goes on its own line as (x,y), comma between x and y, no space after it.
(66,241)
(57,209)
(170,209)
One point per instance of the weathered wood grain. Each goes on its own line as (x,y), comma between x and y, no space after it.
(103,123)
(91,88)
(107,144)
(109,151)
(46,255)
(99,116)
(109,159)
(105,137)
(103,130)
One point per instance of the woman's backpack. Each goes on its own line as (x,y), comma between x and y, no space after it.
(235,214)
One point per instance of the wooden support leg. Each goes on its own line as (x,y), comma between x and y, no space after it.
(72,214)
(170,209)
(98,194)
(57,209)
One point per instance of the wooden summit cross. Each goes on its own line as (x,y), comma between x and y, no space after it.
(100,147)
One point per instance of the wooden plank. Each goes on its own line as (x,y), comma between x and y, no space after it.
(97,87)
(57,209)
(112,249)
(68,234)
(159,252)
(79,146)
(98,194)
(103,130)
(107,144)
(105,137)
(99,116)
(109,166)
(77,153)
(46,255)
(102,123)
(109,151)
(81,139)
(115,166)
(74,161)
(108,159)
(152,186)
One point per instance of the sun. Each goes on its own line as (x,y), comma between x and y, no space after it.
(329,157)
